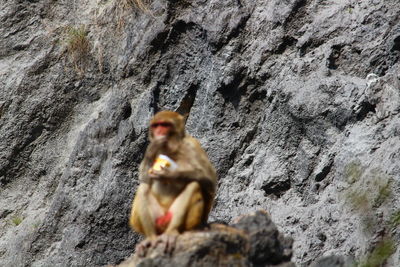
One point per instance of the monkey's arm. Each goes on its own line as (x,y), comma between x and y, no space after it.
(144,173)
(147,162)
(193,165)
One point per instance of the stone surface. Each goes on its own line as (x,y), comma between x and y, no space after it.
(296,103)
(333,261)
(253,240)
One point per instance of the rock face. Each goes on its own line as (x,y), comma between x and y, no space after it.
(253,240)
(296,102)
(333,261)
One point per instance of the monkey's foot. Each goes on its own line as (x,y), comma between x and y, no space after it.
(166,242)
(143,247)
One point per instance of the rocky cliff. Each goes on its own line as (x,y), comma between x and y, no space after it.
(296,102)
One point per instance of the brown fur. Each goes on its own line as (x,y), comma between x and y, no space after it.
(188,191)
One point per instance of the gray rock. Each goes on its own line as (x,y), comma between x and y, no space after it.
(296,103)
(333,261)
(253,240)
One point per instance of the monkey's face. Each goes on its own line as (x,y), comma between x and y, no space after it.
(167,127)
(161,130)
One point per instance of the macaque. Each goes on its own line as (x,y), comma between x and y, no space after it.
(177,182)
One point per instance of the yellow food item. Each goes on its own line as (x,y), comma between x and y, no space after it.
(163,162)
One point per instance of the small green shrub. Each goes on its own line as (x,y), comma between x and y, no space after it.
(350,10)
(17,220)
(395,219)
(380,254)
(353,172)
(367,190)
(359,201)
(384,189)
(78,46)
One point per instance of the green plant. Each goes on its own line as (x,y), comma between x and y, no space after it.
(380,254)
(369,223)
(353,172)
(367,190)
(395,219)
(17,220)
(78,46)
(36,225)
(384,191)
(350,10)
(358,200)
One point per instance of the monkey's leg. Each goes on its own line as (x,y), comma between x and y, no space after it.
(145,210)
(194,215)
(186,209)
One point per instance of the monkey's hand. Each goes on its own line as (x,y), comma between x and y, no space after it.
(145,245)
(154,174)
(164,173)
(168,242)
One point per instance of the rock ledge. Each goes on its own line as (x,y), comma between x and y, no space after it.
(252,240)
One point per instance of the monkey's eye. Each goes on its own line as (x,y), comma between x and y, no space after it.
(163,124)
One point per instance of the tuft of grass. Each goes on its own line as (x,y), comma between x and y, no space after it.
(124,5)
(78,46)
(358,200)
(380,254)
(17,220)
(353,172)
(366,191)
(395,219)
(384,191)
(350,10)
(369,223)
(140,4)
(36,225)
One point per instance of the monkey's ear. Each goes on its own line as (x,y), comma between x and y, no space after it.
(185,115)
(187,102)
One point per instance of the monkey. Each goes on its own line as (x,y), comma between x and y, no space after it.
(177,183)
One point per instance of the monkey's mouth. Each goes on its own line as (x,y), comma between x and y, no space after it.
(160,138)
